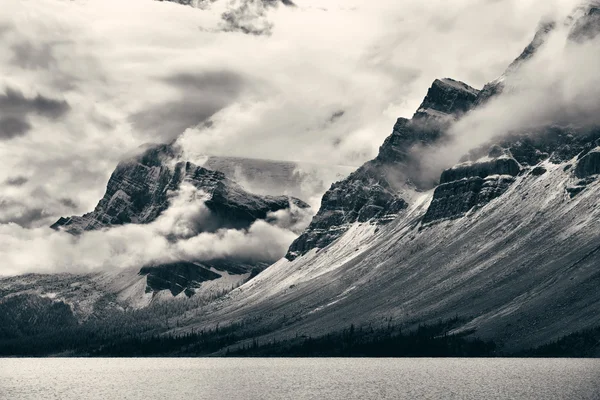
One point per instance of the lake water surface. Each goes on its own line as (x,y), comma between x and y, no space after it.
(185,378)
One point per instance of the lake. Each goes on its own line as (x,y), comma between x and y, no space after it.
(259,378)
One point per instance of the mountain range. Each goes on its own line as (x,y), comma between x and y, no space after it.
(501,247)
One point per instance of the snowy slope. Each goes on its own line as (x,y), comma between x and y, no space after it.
(522,270)
(508,240)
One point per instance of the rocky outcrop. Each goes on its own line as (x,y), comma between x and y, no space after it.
(376,191)
(363,196)
(588,164)
(471,185)
(481,169)
(555,143)
(176,277)
(454,199)
(140,188)
(447,97)
(185,277)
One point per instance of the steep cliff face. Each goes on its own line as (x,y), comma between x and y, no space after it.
(378,191)
(471,185)
(140,188)
(447,97)
(589,164)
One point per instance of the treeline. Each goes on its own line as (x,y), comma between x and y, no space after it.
(425,341)
(240,340)
(581,344)
(35,326)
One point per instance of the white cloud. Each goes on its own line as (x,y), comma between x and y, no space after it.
(140,70)
(178,234)
(559,85)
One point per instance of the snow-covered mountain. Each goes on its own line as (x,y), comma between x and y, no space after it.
(140,190)
(507,239)
(505,242)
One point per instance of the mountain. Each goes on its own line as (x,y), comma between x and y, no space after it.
(499,253)
(307,181)
(505,242)
(380,190)
(139,189)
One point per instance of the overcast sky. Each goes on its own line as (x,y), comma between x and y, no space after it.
(85,82)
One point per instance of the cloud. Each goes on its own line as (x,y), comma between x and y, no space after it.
(11,127)
(558,85)
(33,56)
(17,181)
(15,109)
(200,96)
(175,235)
(15,102)
(90,81)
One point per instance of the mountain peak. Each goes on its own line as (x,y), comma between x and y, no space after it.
(447,97)
(140,188)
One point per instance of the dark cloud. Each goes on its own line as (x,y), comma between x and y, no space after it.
(14,102)
(20,214)
(201,96)
(15,109)
(17,181)
(29,56)
(11,127)
(69,203)
(336,115)
(27,219)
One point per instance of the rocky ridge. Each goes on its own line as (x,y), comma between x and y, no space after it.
(140,188)
(378,191)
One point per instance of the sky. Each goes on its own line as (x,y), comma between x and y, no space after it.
(86,82)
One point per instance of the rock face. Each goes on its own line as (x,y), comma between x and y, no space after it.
(186,277)
(176,277)
(376,191)
(481,169)
(589,164)
(554,143)
(139,190)
(448,97)
(470,185)
(362,197)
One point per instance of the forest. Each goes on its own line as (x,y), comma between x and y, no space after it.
(35,326)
